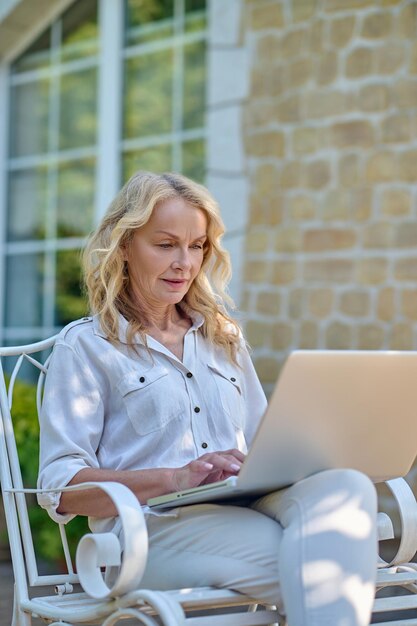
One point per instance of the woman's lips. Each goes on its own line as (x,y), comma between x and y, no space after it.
(175,282)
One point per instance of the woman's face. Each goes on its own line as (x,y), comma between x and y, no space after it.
(165,255)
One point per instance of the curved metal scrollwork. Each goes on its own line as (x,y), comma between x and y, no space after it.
(407,507)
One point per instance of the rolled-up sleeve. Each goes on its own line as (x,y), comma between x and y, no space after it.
(71,423)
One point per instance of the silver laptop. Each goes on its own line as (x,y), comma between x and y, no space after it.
(329,409)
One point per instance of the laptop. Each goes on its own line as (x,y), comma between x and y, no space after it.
(329,409)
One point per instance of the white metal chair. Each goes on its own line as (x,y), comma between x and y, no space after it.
(99,604)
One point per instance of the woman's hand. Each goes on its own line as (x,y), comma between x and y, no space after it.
(208,468)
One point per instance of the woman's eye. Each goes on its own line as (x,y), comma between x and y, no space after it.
(164,245)
(197,246)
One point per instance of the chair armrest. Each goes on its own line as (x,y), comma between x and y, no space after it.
(407,507)
(97,550)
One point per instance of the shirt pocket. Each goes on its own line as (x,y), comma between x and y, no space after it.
(149,398)
(228,384)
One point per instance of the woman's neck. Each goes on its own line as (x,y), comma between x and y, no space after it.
(161,318)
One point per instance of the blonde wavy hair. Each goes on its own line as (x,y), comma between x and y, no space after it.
(106,276)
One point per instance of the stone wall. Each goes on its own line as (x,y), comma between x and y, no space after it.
(330,136)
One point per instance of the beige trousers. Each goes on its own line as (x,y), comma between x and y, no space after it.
(311,549)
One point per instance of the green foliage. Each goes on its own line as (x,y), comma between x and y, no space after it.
(45,532)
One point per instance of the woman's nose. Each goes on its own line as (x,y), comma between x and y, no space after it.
(183,259)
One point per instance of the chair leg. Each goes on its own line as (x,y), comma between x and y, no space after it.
(19,618)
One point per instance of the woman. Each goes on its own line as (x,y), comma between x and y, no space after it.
(157,391)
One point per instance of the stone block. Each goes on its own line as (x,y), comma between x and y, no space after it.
(268,48)
(322,104)
(305,140)
(281,336)
(385,307)
(283,272)
(267,369)
(301,207)
(373,98)
(289,109)
(299,72)
(296,308)
(330,271)
(406,235)
(257,241)
(319,240)
(338,336)
(370,337)
(355,303)
(326,68)
(265,180)
(246,301)
(305,10)
(349,170)
(291,175)
(405,93)
(270,143)
(317,36)
(413,59)
(407,166)
(337,206)
(377,25)
(396,202)
(406,269)
(362,204)
(389,58)
(266,15)
(351,134)
(259,114)
(407,21)
(266,210)
(317,174)
(309,335)
(396,129)
(372,271)
(321,302)
(268,303)
(294,43)
(288,239)
(341,31)
(378,235)
(359,63)
(401,337)
(256,272)
(409,303)
(381,167)
(257,333)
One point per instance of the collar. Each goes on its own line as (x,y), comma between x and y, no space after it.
(197,320)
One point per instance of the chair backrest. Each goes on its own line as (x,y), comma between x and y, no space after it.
(25,564)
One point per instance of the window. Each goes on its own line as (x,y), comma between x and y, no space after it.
(55,127)
(164,86)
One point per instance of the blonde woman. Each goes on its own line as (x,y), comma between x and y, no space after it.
(157,390)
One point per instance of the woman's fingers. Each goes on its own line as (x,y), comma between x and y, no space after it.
(210,467)
(224,461)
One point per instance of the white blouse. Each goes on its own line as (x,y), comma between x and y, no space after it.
(107,406)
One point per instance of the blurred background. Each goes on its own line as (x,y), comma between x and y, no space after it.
(299,115)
